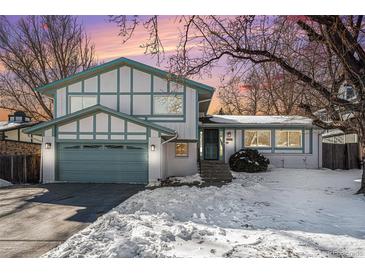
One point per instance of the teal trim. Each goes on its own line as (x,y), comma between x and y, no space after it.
(98,90)
(101,141)
(197,114)
(235,141)
(303,140)
(67,101)
(273,140)
(82,86)
(55,105)
(94,126)
(117,63)
(125,128)
(118,89)
(131,87)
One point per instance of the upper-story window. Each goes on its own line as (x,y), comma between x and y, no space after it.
(170,104)
(257,138)
(80,102)
(288,138)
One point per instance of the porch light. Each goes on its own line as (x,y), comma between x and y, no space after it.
(153,147)
(229,134)
(48,145)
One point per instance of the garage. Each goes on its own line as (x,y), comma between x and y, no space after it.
(102,163)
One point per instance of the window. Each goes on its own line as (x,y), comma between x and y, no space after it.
(168,104)
(181,149)
(288,138)
(81,102)
(257,138)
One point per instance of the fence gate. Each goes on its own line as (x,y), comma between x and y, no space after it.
(340,156)
(20,169)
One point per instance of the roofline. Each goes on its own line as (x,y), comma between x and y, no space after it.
(268,125)
(93,109)
(19,126)
(95,70)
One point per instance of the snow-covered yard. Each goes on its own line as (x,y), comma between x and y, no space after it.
(280,213)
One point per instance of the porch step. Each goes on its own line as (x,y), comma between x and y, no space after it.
(215,172)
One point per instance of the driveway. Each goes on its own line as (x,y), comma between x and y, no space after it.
(35,219)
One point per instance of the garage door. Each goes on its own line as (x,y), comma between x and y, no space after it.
(102,163)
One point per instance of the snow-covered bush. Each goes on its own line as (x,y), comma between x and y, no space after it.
(248,160)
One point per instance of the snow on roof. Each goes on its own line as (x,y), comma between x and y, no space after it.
(250,119)
(5,125)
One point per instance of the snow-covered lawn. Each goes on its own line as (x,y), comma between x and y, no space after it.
(280,213)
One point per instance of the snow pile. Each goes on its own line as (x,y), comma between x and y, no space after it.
(4,183)
(281,213)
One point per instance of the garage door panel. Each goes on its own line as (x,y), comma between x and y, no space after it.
(114,163)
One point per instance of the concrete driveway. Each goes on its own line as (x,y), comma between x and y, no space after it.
(35,219)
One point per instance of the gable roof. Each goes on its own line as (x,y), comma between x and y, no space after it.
(116,63)
(91,110)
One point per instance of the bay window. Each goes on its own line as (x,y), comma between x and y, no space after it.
(168,104)
(257,138)
(288,138)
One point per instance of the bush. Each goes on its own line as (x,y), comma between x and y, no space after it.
(248,160)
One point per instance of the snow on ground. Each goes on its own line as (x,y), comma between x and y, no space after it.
(4,183)
(187,180)
(280,213)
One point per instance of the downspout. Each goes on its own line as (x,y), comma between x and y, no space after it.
(169,140)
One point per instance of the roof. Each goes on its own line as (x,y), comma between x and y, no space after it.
(258,120)
(6,126)
(116,63)
(94,109)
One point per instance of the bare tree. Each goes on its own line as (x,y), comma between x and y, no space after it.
(37,50)
(328,52)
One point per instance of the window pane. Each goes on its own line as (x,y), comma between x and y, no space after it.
(295,139)
(167,104)
(181,149)
(281,137)
(89,101)
(263,138)
(81,102)
(250,138)
(75,103)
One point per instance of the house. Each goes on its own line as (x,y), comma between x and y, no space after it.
(13,141)
(126,122)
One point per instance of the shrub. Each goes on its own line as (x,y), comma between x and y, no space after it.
(248,160)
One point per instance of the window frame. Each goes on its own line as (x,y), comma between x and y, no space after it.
(180,95)
(256,130)
(288,139)
(82,97)
(187,150)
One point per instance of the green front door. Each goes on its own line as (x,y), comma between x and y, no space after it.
(211,144)
(102,163)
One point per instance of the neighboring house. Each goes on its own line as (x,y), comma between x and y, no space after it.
(127,122)
(13,141)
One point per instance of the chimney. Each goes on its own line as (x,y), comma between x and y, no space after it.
(18,117)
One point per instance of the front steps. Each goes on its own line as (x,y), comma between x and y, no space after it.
(215,173)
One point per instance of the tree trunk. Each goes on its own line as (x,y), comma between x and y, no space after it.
(362,187)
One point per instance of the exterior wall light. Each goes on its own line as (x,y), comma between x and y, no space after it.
(48,145)
(153,147)
(229,134)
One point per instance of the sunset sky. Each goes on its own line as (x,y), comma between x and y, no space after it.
(108,45)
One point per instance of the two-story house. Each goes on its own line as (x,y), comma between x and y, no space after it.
(127,122)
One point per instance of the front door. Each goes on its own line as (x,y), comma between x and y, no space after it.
(211,144)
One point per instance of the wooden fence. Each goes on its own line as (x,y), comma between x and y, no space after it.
(20,169)
(340,156)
